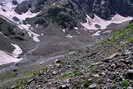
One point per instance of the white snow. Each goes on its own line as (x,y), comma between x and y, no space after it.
(32,34)
(17,50)
(6,58)
(42,34)
(9,1)
(64,30)
(10,13)
(69,36)
(76,28)
(117,19)
(92,22)
(97,33)
(19,1)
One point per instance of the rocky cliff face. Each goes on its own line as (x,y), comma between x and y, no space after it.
(103,8)
(43,22)
(69,13)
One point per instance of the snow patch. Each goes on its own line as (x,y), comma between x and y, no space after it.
(69,36)
(117,19)
(42,34)
(19,1)
(64,30)
(17,50)
(92,22)
(8,11)
(32,34)
(76,28)
(6,58)
(97,33)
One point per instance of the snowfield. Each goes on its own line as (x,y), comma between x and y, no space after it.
(103,24)
(17,51)
(6,58)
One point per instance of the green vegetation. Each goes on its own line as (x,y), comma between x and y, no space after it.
(65,76)
(124,83)
(123,34)
(69,74)
(86,83)
(21,76)
(19,83)
(93,68)
(120,37)
(7,75)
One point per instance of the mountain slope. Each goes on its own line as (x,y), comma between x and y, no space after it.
(107,64)
(66,44)
(45,28)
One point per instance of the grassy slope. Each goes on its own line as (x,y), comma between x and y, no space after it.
(120,37)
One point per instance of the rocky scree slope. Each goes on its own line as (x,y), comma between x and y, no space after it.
(106,65)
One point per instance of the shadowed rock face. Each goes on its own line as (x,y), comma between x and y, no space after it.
(11,34)
(12,31)
(69,13)
(103,8)
(23,7)
(66,14)
(54,16)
